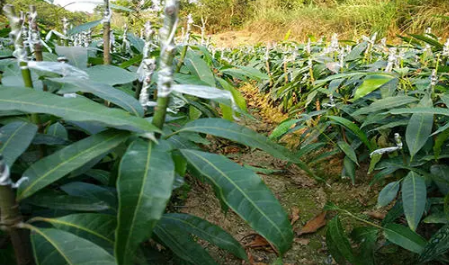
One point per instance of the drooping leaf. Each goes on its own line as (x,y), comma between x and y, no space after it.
(386,103)
(348,150)
(354,129)
(438,244)
(419,128)
(183,245)
(110,75)
(102,90)
(349,169)
(55,166)
(204,230)
(97,228)
(73,109)
(52,246)
(388,194)
(244,192)
(15,138)
(144,186)
(414,195)
(53,200)
(440,174)
(338,243)
(404,237)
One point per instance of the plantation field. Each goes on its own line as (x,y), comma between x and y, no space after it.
(155,143)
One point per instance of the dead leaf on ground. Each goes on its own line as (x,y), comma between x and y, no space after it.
(295,215)
(314,224)
(231,150)
(257,242)
(376,215)
(302,241)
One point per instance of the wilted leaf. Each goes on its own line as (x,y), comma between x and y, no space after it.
(314,224)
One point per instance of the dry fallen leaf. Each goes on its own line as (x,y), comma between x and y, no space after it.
(231,149)
(314,224)
(295,215)
(302,241)
(258,242)
(376,215)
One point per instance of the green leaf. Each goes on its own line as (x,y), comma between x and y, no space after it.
(354,129)
(245,193)
(58,130)
(110,75)
(249,72)
(97,228)
(73,109)
(404,237)
(136,42)
(356,52)
(91,191)
(414,195)
(199,67)
(101,90)
(438,245)
(388,193)
(349,169)
(419,129)
(282,129)
(440,175)
(52,246)
(386,103)
(238,98)
(338,243)
(144,185)
(15,138)
(370,84)
(234,132)
(53,200)
(84,27)
(421,110)
(428,40)
(204,230)
(76,56)
(57,165)
(348,150)
(183,245)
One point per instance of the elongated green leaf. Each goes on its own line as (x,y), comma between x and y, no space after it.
(73,109)
(340,247)
(110,75)
(15,138)
(354,129)
(428,40)
(136,42)
(97,228)
(386,103)
(370,84)
(246,71)
(57,201)
(388,193)
(199,67)
(104,91)
(349,169)
(414,195)
(404,237)
(244,192)
(421,110)
(204,230)
(144,187)
(183,245)
(419,128)
(77,56)
(282,129)
(440,175)
(238,98)
(232,131)
(437,245)
(56,166)
(348,150)
(91,191)
(52,246)
(84,27)
(356,52)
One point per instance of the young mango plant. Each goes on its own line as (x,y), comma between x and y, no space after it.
(87,170)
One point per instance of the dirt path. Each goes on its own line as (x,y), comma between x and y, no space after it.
(294,189)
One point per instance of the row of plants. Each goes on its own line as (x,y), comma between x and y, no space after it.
(377,104)
(99,130)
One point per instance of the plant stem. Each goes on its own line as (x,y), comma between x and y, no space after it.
(106,34)
(11,217)
(168,47)
(182,58)
(35,31)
